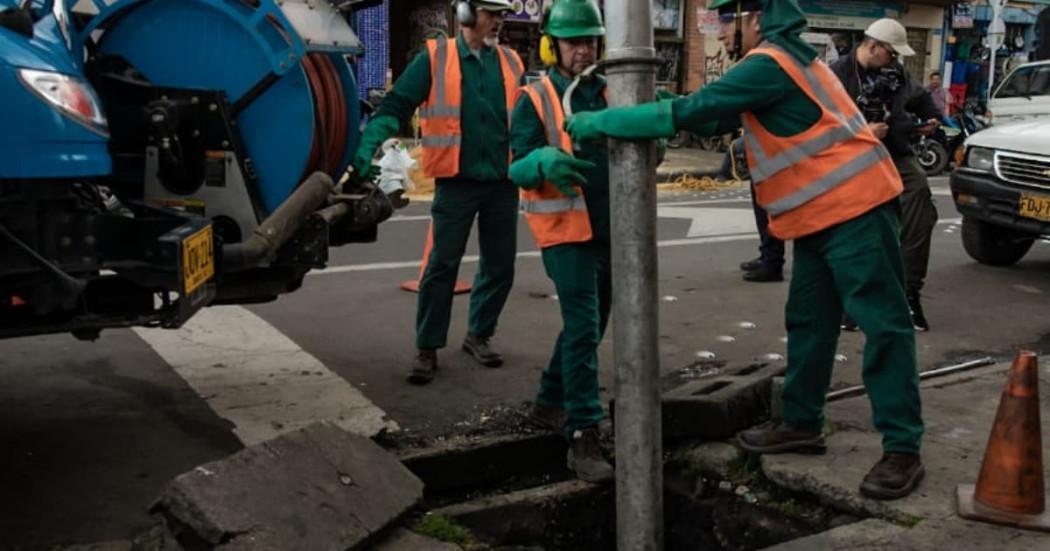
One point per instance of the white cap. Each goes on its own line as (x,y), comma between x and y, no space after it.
(493,5)
(891,32)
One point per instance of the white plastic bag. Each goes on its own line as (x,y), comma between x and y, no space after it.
(394,166)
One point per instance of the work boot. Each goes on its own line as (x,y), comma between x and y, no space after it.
(479,348)
(848,324)
(585,456)
(424,366)
(751,265)
(547,417)
(918,318)
(763,274)
(894,476)
(779,437)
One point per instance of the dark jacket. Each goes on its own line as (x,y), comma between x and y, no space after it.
(910,101)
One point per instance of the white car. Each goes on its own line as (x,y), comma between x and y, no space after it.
(1002,189)
(1023,95)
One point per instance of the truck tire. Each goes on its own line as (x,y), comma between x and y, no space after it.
(994,245)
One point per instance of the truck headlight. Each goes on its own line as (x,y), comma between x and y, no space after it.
(72,97)
(980,158)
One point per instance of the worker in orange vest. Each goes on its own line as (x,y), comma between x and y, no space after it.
(465,88)
(830,185)
(565,198)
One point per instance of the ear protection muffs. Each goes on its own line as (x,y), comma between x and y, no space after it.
(548,51)
(465,13)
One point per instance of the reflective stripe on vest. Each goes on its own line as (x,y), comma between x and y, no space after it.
(828,174)
(554,217)
(440,115)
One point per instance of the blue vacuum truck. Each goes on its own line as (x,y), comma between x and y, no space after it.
(159,156)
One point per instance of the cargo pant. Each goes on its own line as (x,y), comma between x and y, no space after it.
(457,203)
(854,267)
(918,220)
(582,276)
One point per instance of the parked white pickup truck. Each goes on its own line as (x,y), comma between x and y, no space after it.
(1023,95)
(1002,189)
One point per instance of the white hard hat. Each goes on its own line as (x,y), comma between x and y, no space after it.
(891,32)
(493,5)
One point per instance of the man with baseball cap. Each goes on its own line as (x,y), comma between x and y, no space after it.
(873,76)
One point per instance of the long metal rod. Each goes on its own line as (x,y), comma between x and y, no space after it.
(632,164)
(859,390)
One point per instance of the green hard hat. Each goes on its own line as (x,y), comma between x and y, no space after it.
(715,4)
(575,18)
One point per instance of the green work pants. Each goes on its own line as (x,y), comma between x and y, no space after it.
(582,276)
(456,205)
(918,219)
(854,266)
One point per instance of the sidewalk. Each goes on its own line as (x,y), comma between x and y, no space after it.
(959,411)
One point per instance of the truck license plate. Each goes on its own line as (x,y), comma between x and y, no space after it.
(1034,206)
(198,259)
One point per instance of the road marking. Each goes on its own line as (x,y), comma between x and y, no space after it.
(260,380)
(705,222)
(689,241)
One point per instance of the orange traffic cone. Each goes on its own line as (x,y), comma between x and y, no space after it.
(412,285)
(1010,489)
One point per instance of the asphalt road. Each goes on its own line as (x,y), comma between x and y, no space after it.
(91,432)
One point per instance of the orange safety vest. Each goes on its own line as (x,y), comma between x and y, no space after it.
(829,174)
(440,114)
(553,217)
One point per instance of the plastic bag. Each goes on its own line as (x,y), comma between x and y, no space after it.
(394,166)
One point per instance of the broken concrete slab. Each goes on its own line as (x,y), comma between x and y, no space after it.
(710,458)
(718,407)
(871,534)
(316,488)
(959,415)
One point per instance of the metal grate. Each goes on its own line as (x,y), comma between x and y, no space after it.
(1025,170)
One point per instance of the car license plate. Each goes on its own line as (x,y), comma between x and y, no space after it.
(1034,206)
(198,260)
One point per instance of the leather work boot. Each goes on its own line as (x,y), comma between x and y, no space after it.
(763,274)
(479,348)
(423,367)
(894,476)
(547,417)
(751,265)
(585,456)
(779,437)
(918,318)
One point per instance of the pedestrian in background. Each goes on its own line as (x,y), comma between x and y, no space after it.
(942,99)
(892,101)
(565,198)
(467,87)
(769,266)
(830,185)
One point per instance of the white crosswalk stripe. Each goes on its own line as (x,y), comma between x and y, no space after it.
(260,380)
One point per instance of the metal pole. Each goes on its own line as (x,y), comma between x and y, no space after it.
(993,32)
(632,164)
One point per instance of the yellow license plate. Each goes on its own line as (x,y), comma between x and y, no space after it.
(1034,206)
(198,260)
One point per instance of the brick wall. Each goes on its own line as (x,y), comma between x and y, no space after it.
(694,46)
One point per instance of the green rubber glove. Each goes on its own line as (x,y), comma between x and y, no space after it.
(550,164)
(644,121)
(377,132)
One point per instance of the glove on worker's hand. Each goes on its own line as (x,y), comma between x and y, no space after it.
(377,132)
(645,121)
(552,165)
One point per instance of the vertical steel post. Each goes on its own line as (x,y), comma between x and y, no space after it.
(639,450)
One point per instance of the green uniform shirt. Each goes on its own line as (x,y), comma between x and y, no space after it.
(529,135)
(757,85)
(483,155)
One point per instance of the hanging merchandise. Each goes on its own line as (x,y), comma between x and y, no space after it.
(962,15)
